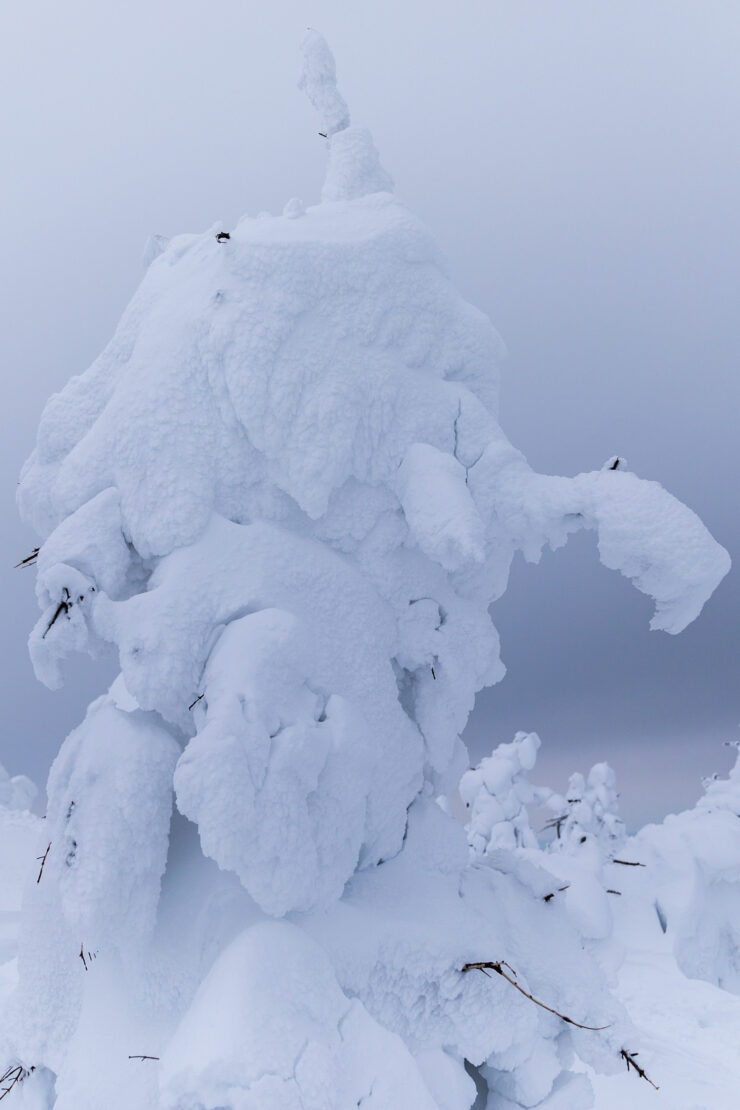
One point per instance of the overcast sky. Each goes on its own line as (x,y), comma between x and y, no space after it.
(578,163)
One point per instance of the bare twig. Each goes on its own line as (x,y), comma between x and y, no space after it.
(14,1074)
(615,464)
(43,861)
(29,560)
(555,823)
(143,1057)
(499,966)
(433,674)
(619,892)
(62,607)
(628,863)
(82,956)
(194,703)
(631,1062)
(551,895)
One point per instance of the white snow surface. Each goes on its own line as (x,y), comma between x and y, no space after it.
(281,494)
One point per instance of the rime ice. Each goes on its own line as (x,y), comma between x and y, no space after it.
(282,496)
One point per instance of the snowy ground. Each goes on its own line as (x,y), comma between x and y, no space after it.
(689,1029)
(690,1032)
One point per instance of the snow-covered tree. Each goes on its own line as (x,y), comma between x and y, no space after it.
(589,814)
(497,793)
(689,882)
(17,792)
(282,495)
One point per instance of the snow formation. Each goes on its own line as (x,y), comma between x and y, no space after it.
(282,496)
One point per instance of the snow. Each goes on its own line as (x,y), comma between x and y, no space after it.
(282,496)
(281,1035)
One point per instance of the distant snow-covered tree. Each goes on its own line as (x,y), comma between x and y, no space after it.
(497,793)
(589,813)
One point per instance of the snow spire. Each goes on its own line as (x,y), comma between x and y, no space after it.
(354,168)
(319,82)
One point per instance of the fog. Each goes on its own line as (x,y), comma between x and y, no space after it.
(578,164)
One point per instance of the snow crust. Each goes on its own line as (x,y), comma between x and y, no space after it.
(281,494)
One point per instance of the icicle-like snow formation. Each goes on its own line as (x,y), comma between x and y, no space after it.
(281,493)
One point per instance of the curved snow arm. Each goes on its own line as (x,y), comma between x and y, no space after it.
(656,541)
(643,532)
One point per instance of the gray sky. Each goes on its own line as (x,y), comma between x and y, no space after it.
(579,165)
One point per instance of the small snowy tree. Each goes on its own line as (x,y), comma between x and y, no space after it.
(17,792)
(589,813)
(282,495)
(497,794)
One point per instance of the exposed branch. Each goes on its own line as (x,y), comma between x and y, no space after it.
(498,967)
(29,561)
(43,861)
(14,1074)
(143,1057)
(629,1059)
(551,895)
(194,703)
(628,863)
(555,823)
(63,607)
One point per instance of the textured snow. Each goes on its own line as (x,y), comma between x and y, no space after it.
(281,1035)
(282,496)
(497,793)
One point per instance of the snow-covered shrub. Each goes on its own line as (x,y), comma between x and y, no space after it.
(282,495)
(497,794)
(17,792)
(690,881)
(589,814)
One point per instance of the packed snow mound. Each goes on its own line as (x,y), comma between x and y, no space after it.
(693,860)
(17,792)
(110,800)
(20,832)
(283,1036)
